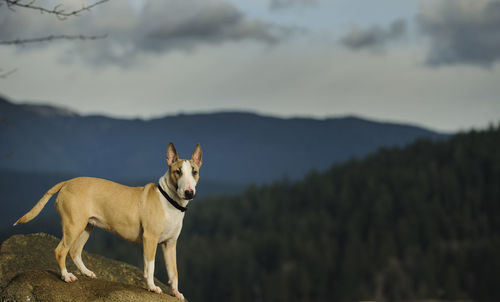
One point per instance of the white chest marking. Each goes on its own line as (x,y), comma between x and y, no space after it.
(173,221)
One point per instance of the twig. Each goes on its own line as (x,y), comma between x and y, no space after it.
(51,38)
(57,10)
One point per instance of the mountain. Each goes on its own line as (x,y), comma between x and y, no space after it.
(239,148)
(41,145)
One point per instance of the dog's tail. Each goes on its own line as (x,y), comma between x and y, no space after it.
(40,204)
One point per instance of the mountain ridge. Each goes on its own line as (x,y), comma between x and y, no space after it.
(238,146)
(45,109)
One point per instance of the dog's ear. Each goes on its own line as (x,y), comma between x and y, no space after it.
(197,156)
(172,156)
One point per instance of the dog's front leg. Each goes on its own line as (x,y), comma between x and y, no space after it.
(169,253)
(149,244)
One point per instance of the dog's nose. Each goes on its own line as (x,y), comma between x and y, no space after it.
(188,194)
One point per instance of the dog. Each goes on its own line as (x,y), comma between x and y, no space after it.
(151,214)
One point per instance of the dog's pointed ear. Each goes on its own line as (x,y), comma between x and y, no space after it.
(197,156)
(172,156)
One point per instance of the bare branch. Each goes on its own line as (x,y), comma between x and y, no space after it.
(57,10)
(50,38)
(6,75)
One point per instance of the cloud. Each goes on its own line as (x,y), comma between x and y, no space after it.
(213,23)
(461,31)
(282,4)
(157,27)
(374,37)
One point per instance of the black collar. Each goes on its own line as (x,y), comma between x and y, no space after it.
(172,202)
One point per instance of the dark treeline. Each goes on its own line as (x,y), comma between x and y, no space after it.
(402,224)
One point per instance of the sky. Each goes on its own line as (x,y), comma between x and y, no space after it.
(433,63)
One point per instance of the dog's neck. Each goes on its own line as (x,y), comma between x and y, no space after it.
(165,184)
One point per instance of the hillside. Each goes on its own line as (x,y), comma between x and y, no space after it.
(400,225)
(237,146)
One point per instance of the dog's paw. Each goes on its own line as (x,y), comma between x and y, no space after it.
(90,274)
(154,289)
(69,277)
(177,294)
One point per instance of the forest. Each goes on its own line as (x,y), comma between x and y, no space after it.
(413,223)
(401,224)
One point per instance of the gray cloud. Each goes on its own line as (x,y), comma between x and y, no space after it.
(214,23)
(281,4)
(462,31)
(374,37)
(159,27)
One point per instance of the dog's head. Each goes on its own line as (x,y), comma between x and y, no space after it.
(184,174)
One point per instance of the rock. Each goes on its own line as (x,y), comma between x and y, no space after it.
(29,272)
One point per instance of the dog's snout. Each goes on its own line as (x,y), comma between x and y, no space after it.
(189,194)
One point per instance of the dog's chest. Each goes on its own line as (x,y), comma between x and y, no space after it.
(173,223)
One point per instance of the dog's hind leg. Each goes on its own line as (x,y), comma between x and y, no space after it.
(76,251)
(71,232)
(145,266)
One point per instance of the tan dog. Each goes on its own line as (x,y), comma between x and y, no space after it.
(151,214)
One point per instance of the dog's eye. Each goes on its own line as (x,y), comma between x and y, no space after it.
(178,172)
(195,172)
